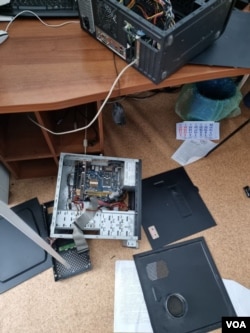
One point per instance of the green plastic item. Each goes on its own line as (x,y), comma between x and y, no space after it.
(193,105)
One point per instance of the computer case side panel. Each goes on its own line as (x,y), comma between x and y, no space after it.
(191,36)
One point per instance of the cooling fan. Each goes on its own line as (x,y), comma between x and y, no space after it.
(107,18)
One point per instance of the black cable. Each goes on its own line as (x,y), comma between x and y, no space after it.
(152,93)
(117,73)
(228,137)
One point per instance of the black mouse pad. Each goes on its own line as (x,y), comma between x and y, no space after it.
(183,289)
(20,257)
(172,208)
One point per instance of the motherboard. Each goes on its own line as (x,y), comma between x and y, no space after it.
(104,192)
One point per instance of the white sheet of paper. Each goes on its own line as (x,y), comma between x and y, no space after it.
(198,130)
(240,297)
(130,311)
(192,150)
(4,2)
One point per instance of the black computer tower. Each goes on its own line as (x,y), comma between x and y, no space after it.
(162,35)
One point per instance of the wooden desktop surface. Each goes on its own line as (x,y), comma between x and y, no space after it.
(46,68)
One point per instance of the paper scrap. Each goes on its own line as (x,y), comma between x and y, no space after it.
(197,130)
(240,297)
(130,311)
(192,150)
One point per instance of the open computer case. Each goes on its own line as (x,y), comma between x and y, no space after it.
(159,35)
(100,194)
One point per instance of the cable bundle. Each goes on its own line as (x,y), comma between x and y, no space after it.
(158,12)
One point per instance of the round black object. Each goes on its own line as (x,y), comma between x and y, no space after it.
(176,305)
(218,89)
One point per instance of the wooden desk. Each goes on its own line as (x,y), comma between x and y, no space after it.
(46,69)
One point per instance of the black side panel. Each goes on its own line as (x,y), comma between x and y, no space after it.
(183,289)
(20,257)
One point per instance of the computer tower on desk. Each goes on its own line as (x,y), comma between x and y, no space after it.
(162,35)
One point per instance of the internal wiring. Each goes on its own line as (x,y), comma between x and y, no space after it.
(158,12)
(43,22)
(98,112)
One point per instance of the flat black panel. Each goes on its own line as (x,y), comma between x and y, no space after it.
(20,257)
(182,288)
(172,207)
(232,49)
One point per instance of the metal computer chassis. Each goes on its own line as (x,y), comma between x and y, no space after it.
(112,183)
(159,51)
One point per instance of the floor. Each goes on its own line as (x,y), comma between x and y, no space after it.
(85,303)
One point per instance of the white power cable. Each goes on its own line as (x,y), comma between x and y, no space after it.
(43,22)
(110,91)
(98,112)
